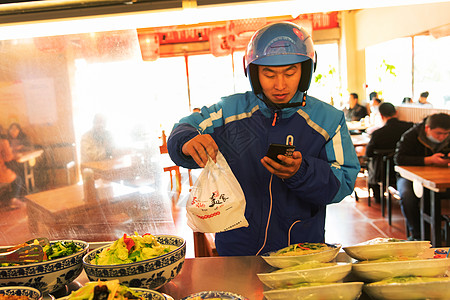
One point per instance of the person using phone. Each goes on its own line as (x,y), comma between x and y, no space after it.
(427,143)
(285,201)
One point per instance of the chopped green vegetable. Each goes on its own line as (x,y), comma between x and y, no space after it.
(130,249)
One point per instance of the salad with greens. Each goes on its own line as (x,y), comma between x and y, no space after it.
(104,290)
(129,249)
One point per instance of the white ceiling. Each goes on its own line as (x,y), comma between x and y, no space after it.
(180,16)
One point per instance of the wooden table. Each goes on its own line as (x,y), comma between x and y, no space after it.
(65,206)
(116,169)
(360,139)
(434,180)
(27,158)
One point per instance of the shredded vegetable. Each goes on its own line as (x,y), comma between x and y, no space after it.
(104,290)
(130,249)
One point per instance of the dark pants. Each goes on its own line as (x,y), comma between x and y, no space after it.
(410,205)
(19,188)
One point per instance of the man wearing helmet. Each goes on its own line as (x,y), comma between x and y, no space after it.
(289,207)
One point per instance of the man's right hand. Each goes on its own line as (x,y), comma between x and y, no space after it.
(200,147)
(437,159)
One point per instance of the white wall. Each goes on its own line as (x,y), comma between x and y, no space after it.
(382,24)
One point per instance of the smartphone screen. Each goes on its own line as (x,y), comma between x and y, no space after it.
(276,149)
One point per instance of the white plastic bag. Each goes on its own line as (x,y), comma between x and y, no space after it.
(216,202)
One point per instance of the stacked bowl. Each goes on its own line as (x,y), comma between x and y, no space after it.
(398,269)
(308,275)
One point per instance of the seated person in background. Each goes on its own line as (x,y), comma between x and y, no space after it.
(97,144)
(375,117)
(6,174)
(355,111)
(17,138)
(384,138)
(19,142)
(423,99)
(407,100)
(426,143)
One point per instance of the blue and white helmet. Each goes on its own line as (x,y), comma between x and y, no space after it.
(280,44)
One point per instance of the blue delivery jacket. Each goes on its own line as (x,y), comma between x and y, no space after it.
(278,211)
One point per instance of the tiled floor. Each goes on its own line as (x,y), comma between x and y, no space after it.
(348,222)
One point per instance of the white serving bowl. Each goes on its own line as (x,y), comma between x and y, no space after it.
(47,276)
(150,273)
(280,261)
(439,289)
(380,250)
(31,293)
(376,271)
(334,273)
(341,291)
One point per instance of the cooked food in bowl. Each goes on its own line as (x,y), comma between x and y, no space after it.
(112,290)
(300,253)
(152,273)
(385,247)
(19,293)
(410,287)
(302,249)
(51,275)
(309,272)
(130,249)
(52,251)
(407,279)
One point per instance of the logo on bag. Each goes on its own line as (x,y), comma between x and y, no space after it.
(197,203)
(217,199)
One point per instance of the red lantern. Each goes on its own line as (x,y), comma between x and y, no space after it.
(149,44)
(218,42)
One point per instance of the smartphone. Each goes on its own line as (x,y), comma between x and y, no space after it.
(276,149)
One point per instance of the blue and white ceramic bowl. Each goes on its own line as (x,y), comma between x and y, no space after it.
(145,293)
(46,276)
(151,273)
(31,293)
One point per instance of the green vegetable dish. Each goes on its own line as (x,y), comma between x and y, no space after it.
(302,249)
(53,251)
(60,249)
(129,249)
(409,279)
(106,290)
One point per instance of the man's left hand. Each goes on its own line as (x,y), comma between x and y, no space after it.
(288,166)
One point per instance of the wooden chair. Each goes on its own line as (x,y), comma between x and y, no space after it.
(175,169)
(204,245)
(446,230)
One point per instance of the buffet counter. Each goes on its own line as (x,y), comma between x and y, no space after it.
(237,274)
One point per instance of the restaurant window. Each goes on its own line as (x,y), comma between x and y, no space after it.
(325,83)
(140,94)
(388,70)
(431,69)
(211,78)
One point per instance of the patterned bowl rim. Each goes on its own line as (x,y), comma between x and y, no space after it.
(179,248)
(22,287)
(333,246)
(144,290)
(85,248)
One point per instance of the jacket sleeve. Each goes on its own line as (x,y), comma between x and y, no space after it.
(331,180)
(188,128)
(406,150)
